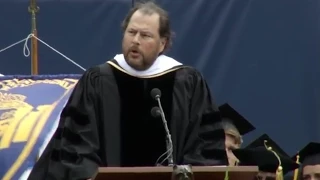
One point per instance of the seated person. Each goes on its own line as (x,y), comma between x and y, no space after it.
(256,154)
(235,126)
(309,157)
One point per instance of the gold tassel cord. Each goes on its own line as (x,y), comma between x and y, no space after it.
(279,171)
(296,171)
(226,175)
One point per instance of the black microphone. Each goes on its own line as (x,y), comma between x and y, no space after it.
(155,93)
(155,111)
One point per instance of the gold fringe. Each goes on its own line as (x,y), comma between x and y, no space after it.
(279,171)
(296,171)
(226,175)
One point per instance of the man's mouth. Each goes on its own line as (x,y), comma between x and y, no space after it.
(134,54)
(134,51)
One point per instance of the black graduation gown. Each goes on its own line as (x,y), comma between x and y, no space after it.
(107,122)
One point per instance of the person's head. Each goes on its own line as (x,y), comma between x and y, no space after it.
(146,34)
(235,126)
(233,140)
(311,172)
(266,154)
(309,156)
(233,137)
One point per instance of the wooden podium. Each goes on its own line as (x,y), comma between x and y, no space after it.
(165,173)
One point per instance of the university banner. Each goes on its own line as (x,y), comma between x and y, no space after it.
(30,107)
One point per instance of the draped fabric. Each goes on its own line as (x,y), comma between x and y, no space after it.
(29,109)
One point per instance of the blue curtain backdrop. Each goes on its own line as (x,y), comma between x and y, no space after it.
(263,57)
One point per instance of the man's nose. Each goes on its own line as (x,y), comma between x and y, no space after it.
(136,39)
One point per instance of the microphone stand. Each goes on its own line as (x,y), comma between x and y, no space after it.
(169,144)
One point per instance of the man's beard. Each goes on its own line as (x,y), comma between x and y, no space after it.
(145,61)
(143,64)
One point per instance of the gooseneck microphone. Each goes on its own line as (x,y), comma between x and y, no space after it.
(156,112)
(156,94)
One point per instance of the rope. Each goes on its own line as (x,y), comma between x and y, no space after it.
(26,51)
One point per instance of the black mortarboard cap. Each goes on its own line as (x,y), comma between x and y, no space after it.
(310,154)
(260,141)
(241,123)
(256,154)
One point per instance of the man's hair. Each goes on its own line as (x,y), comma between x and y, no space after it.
(148,8)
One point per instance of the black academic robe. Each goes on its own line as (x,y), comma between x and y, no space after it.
(107,122)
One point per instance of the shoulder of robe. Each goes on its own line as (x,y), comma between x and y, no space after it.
(189,72)
(97,71)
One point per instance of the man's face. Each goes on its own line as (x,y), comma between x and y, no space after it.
(266,176)
(311,172)
(141,42)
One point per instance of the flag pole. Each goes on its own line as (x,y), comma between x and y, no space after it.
(33,9)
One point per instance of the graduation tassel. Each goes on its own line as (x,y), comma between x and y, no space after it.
(226,175)
(279,172)
(296,171)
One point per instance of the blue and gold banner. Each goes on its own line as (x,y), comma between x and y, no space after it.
(30,107)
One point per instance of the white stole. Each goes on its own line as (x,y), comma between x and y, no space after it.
(161,64)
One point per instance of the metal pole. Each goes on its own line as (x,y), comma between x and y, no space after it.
(33,9)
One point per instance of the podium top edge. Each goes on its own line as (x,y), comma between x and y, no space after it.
(195,169)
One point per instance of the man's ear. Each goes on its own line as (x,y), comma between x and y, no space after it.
(163,42)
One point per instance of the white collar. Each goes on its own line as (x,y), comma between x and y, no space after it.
(161,64)
(1,75)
